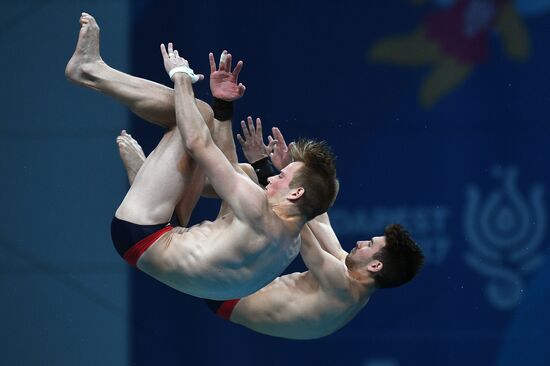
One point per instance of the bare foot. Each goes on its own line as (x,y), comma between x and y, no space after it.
(86,56)
(131,154)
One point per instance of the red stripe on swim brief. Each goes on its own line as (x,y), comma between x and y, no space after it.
(226,308)
(132,255)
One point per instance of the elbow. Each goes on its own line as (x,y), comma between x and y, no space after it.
(195,143)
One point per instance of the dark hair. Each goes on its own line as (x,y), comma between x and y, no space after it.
(401,257)
(317,176)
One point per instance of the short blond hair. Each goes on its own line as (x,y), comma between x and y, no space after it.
(317,176)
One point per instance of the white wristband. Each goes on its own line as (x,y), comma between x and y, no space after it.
(185,69)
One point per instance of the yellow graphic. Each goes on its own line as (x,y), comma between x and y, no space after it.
(453,41)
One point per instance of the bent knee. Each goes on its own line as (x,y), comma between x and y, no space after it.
(249,171)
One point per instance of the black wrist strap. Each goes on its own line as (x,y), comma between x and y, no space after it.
(223,110)
(264,169)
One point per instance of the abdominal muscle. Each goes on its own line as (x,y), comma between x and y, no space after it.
(219,260)
(295,306)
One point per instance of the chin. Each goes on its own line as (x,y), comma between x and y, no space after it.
(349,261)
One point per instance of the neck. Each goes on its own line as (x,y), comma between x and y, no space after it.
(360,288)
(365,282)
(288,212)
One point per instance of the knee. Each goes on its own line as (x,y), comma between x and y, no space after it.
(249,171)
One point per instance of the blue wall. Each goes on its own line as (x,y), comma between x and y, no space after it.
(451,145)
(63,292)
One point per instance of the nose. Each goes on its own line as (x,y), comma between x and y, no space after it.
(269,179)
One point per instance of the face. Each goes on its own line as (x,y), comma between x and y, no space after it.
(362,254)
(278,185)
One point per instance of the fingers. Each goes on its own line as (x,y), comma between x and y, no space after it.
(271,144)
(251,128)
(223,61)
(241,88)
(222,57)
(238,69)
(172,58)
(279,136)
(170,53)
(259,127)
(241,140)
(212,62)
(163,51)
(228,62)
(246,133)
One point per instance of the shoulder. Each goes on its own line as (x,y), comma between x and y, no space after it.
(252,204)
(336,280)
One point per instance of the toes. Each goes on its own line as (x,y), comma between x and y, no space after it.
(134,144)
(138,149)
(121,140)
(87,19)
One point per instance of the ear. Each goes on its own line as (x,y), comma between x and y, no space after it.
(296,193)
(375,265)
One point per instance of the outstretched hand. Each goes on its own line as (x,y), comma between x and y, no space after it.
(172,59)
(280,156)
(255,149)
(253,144)
(224,82)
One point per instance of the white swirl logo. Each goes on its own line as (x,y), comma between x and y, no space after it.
(505,235)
